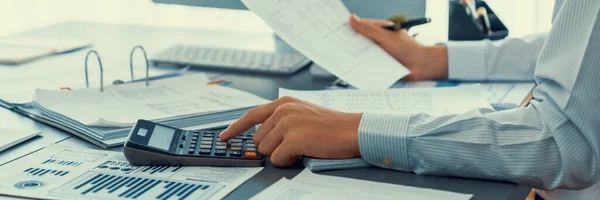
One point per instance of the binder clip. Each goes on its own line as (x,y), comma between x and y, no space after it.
(87,82)
(118,81)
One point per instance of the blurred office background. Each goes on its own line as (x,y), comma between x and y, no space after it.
(521,17)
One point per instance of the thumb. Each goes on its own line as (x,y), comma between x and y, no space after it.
(373,32)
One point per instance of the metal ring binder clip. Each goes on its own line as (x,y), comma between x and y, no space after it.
(87,83)
(145,58)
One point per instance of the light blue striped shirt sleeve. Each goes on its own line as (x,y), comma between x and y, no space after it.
(553,143)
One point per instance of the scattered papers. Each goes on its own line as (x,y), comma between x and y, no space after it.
(307,185)
(432,101)
(10,138)
(57,172)
(320,30)
(166,99)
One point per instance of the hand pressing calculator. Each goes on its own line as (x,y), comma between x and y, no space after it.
(154,144)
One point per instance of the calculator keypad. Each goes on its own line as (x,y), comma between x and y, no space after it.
(207,143)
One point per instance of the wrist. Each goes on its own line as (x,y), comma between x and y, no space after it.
(353,125)
(435,63)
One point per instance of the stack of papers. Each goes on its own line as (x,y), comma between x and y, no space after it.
(307,185)
(59,172)
(105,118)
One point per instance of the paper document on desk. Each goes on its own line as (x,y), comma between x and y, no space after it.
(10,138)
(60,172)
(123,105)
(307,185)
(432,101)
(320,30)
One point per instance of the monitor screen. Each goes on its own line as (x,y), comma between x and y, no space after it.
(377,9)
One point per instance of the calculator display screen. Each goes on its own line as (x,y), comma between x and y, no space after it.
(161,137)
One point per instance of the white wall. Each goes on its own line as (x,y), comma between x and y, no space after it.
(521,16)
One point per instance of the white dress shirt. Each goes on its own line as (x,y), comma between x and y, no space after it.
(552,144)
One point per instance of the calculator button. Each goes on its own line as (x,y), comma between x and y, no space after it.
(236,144)
(194,137)
(204,151)
(251,145)
(235,153)
(236,140)
(183,137)
(192,146)
(181,146)
(236,148)
(250,141)
(220,152)
(252,149)
(240,137)
(207,138)
(205,146)
(221,147)
(191,151)
(206,142)
(250,154)
(221,143)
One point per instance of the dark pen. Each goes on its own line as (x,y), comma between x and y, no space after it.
(410,23)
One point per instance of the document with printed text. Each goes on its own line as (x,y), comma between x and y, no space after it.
(432,101)
(308,185)
(320,30)
(123,105)
(60,172)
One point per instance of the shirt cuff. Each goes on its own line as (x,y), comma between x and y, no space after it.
(466,60)
(382,140)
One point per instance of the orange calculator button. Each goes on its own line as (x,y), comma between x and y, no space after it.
(250,154)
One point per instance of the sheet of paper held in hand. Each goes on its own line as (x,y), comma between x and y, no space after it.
(432,101)
(61,172)
(123,105)
(320,30)
(308,185)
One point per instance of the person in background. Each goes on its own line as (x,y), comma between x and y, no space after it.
(552,144)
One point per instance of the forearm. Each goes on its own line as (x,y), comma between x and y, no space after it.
(509,146)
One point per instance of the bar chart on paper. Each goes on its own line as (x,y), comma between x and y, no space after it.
(44,172)
(61,162)
(111,186)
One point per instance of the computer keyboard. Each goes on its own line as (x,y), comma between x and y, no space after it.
(233,59)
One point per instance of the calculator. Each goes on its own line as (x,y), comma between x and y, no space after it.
(155,144)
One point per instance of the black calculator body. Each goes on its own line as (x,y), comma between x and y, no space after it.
(154,144)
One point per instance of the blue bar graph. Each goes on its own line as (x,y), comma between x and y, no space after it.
(127,187)
(62,162)
(44,172)
(160,169)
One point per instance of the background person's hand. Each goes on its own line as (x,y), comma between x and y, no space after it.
(292,128)
(424,63)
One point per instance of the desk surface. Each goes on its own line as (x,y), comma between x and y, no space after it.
(113,42)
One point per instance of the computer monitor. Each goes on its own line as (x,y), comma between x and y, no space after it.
(377,9)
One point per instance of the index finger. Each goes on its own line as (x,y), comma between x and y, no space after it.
(253,117)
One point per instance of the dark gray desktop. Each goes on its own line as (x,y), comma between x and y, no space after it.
(378,9)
